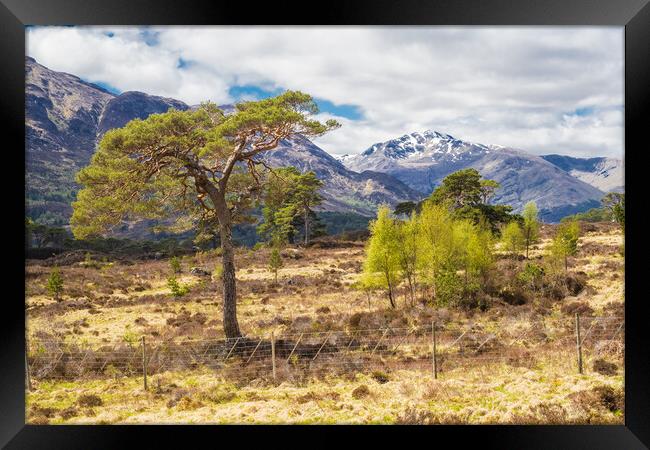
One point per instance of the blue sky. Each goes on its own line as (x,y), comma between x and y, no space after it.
(541,89)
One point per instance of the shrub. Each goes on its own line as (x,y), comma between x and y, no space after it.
(512,296)
(90,262)
(576,308)
(531,275)
(258,246)
(413,416)
(604,367)
(380,377)
(609,398)
(178,290)
(175,265)
(89,400)
(449,288)
(361,392)
(355,320)
(55,284)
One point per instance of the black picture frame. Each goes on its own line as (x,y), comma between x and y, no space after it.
(634,15)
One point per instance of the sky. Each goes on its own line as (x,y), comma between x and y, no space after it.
(540,89)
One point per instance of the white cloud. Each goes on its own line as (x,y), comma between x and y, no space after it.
(511,86)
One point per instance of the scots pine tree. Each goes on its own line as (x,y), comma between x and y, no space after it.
(195,166)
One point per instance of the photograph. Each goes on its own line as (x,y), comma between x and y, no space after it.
(386,225)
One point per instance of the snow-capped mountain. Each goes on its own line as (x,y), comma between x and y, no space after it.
(422,160)
(418,159)
(603,173)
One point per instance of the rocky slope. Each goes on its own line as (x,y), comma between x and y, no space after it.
(344,190)
(605,174)
(62,113)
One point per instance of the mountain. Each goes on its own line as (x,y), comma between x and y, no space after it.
(66,117)
(119,110)
(344,190)
(62,113)
(603,173)
(422,160)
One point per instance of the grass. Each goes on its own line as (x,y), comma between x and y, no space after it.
(105,305)
(505,396)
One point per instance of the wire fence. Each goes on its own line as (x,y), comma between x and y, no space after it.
(440,349)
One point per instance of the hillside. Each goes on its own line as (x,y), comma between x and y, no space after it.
(344,190)
(66,117)
(605,174)
(422,160)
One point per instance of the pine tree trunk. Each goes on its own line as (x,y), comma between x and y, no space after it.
(306,226)
(230,324)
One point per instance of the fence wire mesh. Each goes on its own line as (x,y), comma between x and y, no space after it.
(337,351)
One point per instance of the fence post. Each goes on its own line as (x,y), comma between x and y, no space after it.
(29,378)
(433,338)
(144,363)
(578,343)
(273,353)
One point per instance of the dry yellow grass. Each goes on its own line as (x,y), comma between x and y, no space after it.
(493,394)
(320,290)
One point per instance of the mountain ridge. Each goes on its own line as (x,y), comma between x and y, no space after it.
(422,159)
(67,116)
(602,172)
(58,144)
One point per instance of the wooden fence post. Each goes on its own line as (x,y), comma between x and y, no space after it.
(433,338)
(273,353)
(578,343)
(144,363)
(29,378)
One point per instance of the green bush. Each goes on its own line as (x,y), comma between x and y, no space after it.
(55,284)
(275,262)
(531,276)
(175,264)
(449,289)
(90,262)
(178,290)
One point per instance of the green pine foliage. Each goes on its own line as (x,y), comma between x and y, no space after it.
(467,195)
(275,262)
(175,264)
(177,289)
(289,198)
(55,284)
